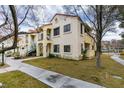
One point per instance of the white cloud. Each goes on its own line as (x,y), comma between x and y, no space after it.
(109,36)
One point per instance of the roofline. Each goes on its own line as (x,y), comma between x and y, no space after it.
(63,15)
(70,16)
(46,24)
(32,32)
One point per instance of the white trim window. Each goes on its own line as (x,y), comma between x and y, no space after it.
(67,28)
(67,48)
(56,48)
(56,31)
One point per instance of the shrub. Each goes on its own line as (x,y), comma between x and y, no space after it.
(41,54)
(17,55)
(84,54)
(51,55)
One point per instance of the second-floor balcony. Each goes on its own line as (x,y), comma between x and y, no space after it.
(41,37)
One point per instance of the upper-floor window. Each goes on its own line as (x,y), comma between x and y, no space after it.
(81,29)
(67,28)
(56,31)
(56,20)
(67,48)
(56,48)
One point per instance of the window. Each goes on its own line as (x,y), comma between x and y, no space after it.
(56,48)
(67,28)
(56,31)
(81,28)
(67,48)
(56,20)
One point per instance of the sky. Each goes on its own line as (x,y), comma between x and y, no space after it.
(45,14)
(50,11)
(109,36)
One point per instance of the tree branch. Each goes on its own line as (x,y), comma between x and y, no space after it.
(14,17)
(24,17)
(3,24)
(88,17)
(10,35)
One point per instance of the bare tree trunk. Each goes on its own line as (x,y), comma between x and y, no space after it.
(2,55)
(99,35)
(15,22)
(2,59)
(98,54)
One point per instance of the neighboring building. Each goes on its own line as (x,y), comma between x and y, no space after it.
(112,46)
(65,37)
(22,45)
(27,43)
(105,46)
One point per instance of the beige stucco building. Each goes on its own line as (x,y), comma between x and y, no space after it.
(65,36)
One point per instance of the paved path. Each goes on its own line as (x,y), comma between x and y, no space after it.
(50,78)
(117,59)
(7,69)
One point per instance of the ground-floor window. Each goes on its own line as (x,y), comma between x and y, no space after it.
(56,48)
(67,48)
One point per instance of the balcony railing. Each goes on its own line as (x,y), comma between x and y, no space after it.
(40,37)
(47,38)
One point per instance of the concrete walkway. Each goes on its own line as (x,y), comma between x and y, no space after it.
(50,78)
(117,59)
(7,69)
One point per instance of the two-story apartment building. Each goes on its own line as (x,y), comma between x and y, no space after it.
(65,36)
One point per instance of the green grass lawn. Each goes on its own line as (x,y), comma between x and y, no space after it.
(122,56)
(85,69)
(16,79)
